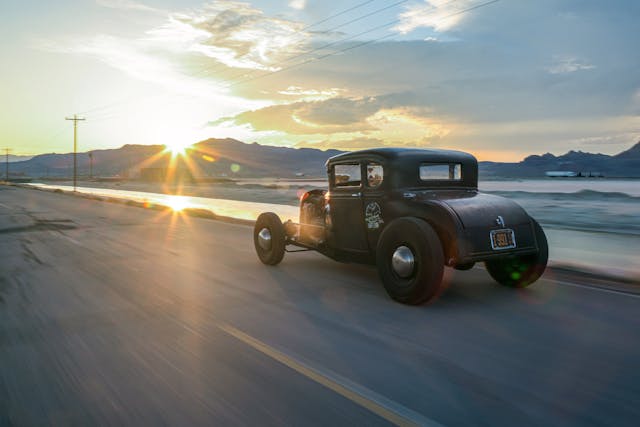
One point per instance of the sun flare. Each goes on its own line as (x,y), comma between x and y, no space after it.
(177,148)
(177,203)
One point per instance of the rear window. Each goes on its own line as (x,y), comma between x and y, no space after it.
(441,172)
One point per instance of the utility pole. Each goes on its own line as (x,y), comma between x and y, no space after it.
(75,119)
(90,165)
(6,164)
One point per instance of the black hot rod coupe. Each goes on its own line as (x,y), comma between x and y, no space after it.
(410,212)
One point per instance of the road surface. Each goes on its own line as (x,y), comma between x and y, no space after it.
(111,314)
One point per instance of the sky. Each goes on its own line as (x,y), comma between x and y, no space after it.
(500,79)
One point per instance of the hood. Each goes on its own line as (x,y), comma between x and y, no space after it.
(482,210)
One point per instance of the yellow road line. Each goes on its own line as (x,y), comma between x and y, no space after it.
(379,405)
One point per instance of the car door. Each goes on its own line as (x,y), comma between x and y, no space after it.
(346,209)
(374,201)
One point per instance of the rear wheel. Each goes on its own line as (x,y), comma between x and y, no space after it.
(464,267)
(410,261)
(269,238)
(521,271)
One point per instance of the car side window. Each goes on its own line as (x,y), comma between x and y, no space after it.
(347,175)
(375,175)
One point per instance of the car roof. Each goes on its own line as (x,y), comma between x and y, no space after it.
(389,153)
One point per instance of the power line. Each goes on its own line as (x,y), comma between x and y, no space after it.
(329,30)
(349,48)
(203,71)
(316,24)
(342,40)
(337,14)
(477,6)
(75,120)
(395,21)
(360,18)
(248,75)
(222,69)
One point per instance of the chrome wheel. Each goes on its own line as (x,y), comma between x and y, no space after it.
(264,239)
(410,261)
(403,261)
(269,238)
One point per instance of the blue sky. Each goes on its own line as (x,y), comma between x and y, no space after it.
(500,80)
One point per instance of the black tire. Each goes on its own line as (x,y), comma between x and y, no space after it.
(274,253)
(424,282)
(521,271)
(464,267)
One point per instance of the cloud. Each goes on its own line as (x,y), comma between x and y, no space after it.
(138,60)
(230,32)
(311,94)
(298,4)
(440,15)
(566,64)
(365,142)
(338,111)
(527,76)
(336,115)
(129,5)
(234,34)
(329,116)
(118,53)
(607,139)
(343,144)
(349,123)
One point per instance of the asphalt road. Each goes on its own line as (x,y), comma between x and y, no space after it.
(118,315)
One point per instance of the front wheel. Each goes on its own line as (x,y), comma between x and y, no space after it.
(410,261)
(521,271)
(269,238)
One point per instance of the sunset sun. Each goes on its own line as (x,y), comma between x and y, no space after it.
(177,147)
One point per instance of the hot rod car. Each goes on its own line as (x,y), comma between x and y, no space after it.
(410,212)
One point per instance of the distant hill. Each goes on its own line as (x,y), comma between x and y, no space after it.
(111,162)
(232,158)
(209,158)
(632,153)
(14,158)
(260,160)
(624,164)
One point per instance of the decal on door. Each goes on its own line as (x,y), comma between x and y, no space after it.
(373,216)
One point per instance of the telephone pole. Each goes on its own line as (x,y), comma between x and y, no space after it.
(6,164)
(75,119)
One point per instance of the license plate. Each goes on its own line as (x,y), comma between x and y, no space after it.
(503,239)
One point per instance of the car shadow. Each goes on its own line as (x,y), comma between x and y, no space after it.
(319,277)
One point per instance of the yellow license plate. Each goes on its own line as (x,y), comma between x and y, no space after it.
(503,239)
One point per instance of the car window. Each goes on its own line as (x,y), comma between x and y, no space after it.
(375,175)
(441,172)
(347,175)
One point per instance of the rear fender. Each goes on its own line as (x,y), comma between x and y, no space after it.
(442,219)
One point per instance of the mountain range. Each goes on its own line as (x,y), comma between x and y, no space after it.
(209,158)
(232,158)
(625,164)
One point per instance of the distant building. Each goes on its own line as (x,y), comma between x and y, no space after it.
(590,175)
(560,174)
